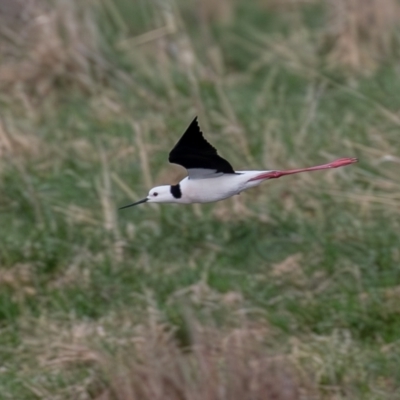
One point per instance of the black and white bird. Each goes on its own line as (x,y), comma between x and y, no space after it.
(211,177)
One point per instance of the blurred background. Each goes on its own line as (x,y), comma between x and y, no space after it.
(289,291)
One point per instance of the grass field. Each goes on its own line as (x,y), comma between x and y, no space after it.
(288,291)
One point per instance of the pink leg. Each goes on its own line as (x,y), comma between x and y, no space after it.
(341,162)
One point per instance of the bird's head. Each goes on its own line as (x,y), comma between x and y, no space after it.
(159,194)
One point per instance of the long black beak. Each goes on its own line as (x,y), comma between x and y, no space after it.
(134,204)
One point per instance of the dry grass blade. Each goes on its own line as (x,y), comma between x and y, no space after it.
(110,218)
(143,154)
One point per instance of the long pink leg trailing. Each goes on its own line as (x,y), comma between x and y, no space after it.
(341,162)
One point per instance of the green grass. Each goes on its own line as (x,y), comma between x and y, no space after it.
(314,256)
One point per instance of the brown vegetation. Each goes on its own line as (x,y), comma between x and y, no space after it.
(43,46)
(362,31)
(230,365)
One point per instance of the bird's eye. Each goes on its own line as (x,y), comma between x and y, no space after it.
(155,194)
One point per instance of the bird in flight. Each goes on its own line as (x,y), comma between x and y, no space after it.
(211,177)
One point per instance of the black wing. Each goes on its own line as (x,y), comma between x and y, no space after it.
(194,152)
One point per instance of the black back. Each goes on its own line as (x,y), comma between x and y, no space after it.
(193,151)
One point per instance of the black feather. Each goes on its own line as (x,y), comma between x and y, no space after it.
(193,151)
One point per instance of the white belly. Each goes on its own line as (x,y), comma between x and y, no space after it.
(215,189)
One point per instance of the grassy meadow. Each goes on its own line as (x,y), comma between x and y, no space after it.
(289,291)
